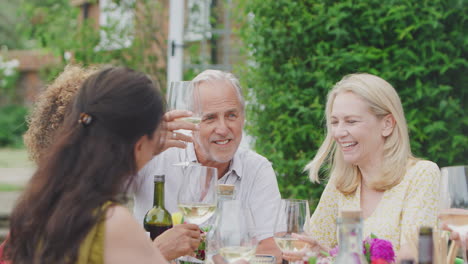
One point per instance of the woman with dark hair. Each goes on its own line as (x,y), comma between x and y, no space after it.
(70,211)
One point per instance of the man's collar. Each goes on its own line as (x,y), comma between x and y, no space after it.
(236,164)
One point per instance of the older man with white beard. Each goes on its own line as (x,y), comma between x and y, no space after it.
(218,137)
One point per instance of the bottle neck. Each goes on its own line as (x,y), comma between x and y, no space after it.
(224,197)
(158,196)
(350,233)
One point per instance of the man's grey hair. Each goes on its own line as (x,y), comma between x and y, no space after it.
(217,75)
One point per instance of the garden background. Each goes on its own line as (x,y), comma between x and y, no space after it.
(292,54)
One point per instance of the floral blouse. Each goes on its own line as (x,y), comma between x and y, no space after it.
(402,209)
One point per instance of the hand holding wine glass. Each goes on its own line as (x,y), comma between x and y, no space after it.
(183,95)
(172,123)
(197,196)
(292,218)
(454,202)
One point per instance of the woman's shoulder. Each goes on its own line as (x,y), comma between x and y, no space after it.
(423,169)
(115,208)
(126,240)
(419,165)
(118,215)
(333,194)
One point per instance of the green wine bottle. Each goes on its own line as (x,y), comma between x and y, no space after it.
(157,219)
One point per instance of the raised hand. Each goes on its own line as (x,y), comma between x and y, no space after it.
(171,123)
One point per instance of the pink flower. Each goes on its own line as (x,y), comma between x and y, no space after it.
(374,249)
(382,249)
(334,252)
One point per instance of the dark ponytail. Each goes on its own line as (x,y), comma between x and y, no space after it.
(92,161)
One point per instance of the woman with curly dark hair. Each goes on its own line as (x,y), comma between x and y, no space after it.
(70,212)
(50,109)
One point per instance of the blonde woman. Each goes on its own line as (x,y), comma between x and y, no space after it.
(371,166)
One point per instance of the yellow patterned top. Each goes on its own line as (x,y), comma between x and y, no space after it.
(405,207)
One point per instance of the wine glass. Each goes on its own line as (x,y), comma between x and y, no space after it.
(183,95)
(454,201)
(234,237)
(197,196)
(292,218)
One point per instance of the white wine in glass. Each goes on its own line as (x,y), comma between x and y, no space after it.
(454,201)
(237,253)
(235,232)
(191,119)
(197,195)
(292,218)
(197,213)
(288,243)
(197,198)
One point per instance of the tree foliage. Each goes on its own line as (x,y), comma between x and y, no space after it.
(12,125)
(55,26)
(300,49)
(10,17)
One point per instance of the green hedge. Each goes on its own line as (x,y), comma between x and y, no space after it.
(299,49)
(12,125)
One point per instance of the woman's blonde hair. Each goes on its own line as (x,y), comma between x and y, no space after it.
(383,100)
(51,107)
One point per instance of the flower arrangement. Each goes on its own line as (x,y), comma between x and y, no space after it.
(375,250)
